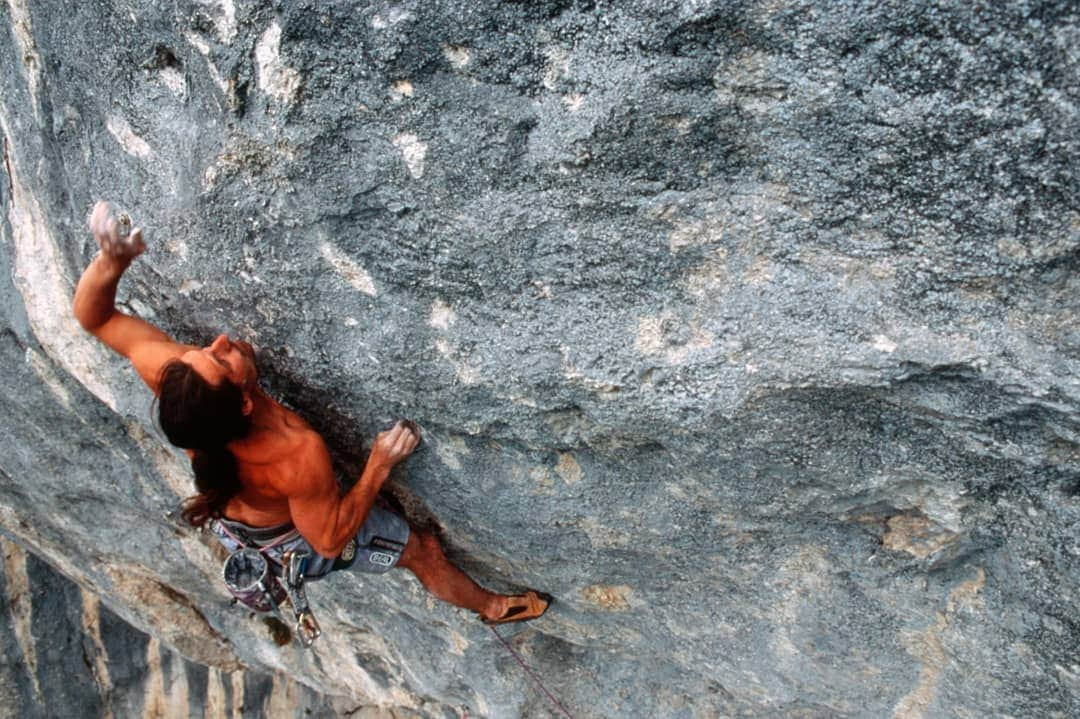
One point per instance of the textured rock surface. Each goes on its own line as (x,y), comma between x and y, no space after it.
(66,655)
(748,330)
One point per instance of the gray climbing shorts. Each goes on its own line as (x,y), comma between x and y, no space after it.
(376,547)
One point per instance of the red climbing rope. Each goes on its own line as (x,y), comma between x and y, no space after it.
(530,673)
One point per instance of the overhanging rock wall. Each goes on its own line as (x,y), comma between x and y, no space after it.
(747,330)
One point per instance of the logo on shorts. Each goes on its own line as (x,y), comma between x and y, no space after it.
(349,551)
(381,558)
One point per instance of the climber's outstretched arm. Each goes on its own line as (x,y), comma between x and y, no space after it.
(94,305)
(326,519)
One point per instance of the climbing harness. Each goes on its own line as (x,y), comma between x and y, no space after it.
(251,581)
(530,672)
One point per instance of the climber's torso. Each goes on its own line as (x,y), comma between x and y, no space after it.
(269,461)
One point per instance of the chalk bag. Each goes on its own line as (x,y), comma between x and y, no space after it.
(249,579)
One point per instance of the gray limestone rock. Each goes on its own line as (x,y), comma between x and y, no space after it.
(65,654)
(747,330)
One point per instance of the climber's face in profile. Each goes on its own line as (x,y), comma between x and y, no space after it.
(224,360)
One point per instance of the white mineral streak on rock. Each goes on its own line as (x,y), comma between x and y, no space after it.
(450,450)
(24,34)
(197,42)
(390,18)
(274,77)
(884,344)
(745,217)
(46,291)
(174,80)
(760,271)
(171,464)
(457,55)
(347,269)
(603,536)
(131,143)
(442,315)
(19,602)
(543,288)
(675,490)
(43,369)
(204,49)
(541,478)
(458,644)
(90,620)
(188,286)
(402,89)
(680,124)
(225,20)
(413,150)
(568,469)
(210,176)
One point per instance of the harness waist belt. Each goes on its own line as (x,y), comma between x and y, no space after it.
(260,535)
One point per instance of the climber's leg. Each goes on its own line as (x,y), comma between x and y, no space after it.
(424,557)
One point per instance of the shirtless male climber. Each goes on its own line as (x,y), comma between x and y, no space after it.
(259,468)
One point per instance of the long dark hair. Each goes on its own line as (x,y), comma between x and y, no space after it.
(197,415)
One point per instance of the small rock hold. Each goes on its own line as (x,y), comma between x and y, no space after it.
(612,598)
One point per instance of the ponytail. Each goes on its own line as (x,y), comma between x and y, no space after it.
(197,415)
(217,481)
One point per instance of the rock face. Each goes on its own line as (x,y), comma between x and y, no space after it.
(747,330)
(66,655)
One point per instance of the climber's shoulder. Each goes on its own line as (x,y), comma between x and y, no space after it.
(298,460)
(147,347)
